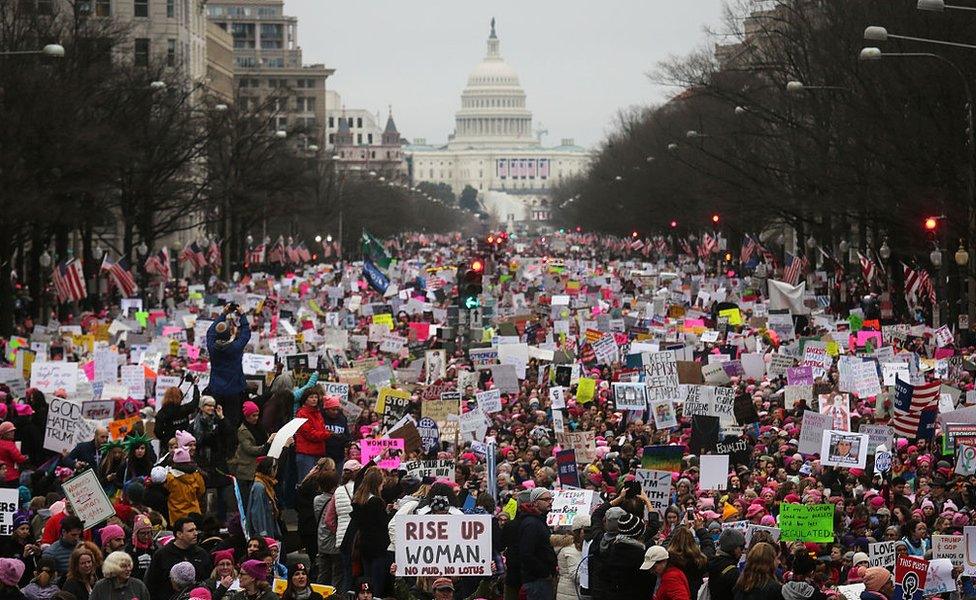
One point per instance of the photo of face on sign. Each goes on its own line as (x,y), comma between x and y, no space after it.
(843,449)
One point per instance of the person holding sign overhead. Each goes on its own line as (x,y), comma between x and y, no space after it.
(225,346)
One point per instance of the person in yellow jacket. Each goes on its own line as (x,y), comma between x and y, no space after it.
(185,486)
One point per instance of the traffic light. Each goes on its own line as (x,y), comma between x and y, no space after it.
(469,284)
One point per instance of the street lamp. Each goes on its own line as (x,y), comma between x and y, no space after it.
(874,33)
(221,108)
(741,110)
(142,249)
(618,178)
(795,87)
(52,50)
(672,147)
(936,258)
(691,134)
(44,259)
(313,148)
(961,256)
(885,250)
(157,86)
(328,238)
(940,6)
(318,239)
(280,134)
(98,253)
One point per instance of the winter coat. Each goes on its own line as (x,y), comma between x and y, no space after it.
(311,436)
(771,591)
(184,494)
(261,519)
(211,455)
(343,496)
(157,576)
(536,555)
(623,560)
(674,585)
(335,445)
(226,372)
(245,459)
(723,573)
(371,522)
(11,456)
(568,559)
(173,417)
(109,589)
(326,537)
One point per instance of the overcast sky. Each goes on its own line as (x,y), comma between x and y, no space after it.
(579,61)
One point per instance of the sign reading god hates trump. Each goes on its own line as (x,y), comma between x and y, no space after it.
(443,545)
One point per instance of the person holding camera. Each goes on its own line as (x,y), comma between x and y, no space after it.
(226,341)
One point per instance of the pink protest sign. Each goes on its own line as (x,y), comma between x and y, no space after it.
(371,448)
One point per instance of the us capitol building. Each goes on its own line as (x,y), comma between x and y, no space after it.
(495,150)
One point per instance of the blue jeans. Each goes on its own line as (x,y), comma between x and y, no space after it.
(377,569)
(305,463)
(540,589)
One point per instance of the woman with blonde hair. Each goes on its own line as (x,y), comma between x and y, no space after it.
(119,582)
(758,578)
(83,567)
(685,553)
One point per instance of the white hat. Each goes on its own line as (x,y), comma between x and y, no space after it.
(859,557)
(158,474)
(654,555)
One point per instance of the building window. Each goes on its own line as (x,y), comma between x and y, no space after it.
(359,138)
(331,121)
(170,9)
(372,154)
(142,8)
(369,138)
(103,8)
(142,52)
(276,63)
(171,52)
(331,138)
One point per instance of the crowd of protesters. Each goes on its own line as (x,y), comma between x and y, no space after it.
(202,511)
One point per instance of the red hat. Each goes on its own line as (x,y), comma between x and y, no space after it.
(249,408)
(331,402)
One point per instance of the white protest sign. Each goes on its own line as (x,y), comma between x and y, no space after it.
(335,389)
(566,503)
(88,499)
(882,554)
(490,401)
(558,421)
(811,432)
(62,419)
(714,472)
(939,577)
(134,379)
(286,432)
(52,375)
(8,508)
(254,364)
(630,396)
(951,547)
(844,449)
(442,545)
(106,365)
(865,375)
(557,395)
(656,485)
(851,591)
(661,374)
(437,469)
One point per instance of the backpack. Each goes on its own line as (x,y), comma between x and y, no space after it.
(703,592)
(331,516)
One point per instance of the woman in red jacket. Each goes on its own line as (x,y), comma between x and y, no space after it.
(311,436)
(672,583)
(10,456)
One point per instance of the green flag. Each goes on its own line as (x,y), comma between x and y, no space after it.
(374,250)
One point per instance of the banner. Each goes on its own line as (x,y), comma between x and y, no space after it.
(442,545)
(807,522)
(88,499)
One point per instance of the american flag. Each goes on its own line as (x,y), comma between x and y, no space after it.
(194,255)
(120,275)
(303,254)
(686,247)
(791,274)
(291,252)
(158,264)
(637,244)
(917,284)
(662,246)
(915,408)
(255,255)
(277,253)
(708,245)
(213,253)
(69,281)
(868,268)
(749,247)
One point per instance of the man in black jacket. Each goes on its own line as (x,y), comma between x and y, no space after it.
(723,568)
(537,557)
(183,548)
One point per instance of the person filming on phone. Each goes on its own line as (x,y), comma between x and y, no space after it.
(226,340)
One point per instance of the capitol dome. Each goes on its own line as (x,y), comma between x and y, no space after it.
(493,112)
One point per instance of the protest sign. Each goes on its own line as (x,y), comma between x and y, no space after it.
(566,503)
(557,397)
(851,591)
(951,547)
(88,499)
(490,401)
(965,459)
(807,522)
(254,364)
(436,469)
(664,414)
(62,419)
(714,472)
(286,432)
(134,380)
(335,389)
(877,435)
(910,573)
(811,432)
(370,448)
(98,410)
(865,376)
(630,396)
(661,374)
(802,375)
(584,442)
(52,375)
(882,554)
(442,545)
(558,421)
(429,434)
(483,357)
(8,508)
(938,578)
(662,458)
(844,449)
(119,428)
(656,485)
(568,471)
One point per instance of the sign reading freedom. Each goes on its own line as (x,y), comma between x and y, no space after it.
(807,522)
(443,545)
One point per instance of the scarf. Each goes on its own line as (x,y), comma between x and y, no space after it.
(257,432)
(304,594)
(269,489)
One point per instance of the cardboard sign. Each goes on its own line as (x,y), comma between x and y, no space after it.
(661,374)
(63,418)
(52,375)
(878,435)
(88,499)
(938,578)
(370,448)
(951,547)
(807,522)
(584,442)
(714,472)
(98,410)
(254,364)
(442,545)
(910,573)
(811,432)
(630,396)
(568,471)
(9,500)
(436,469)
(119,428)
(882,554)
(490,401)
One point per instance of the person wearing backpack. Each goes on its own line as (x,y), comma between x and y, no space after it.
(723,568)
(328,565)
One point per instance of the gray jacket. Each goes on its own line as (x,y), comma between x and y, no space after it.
(110,589)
